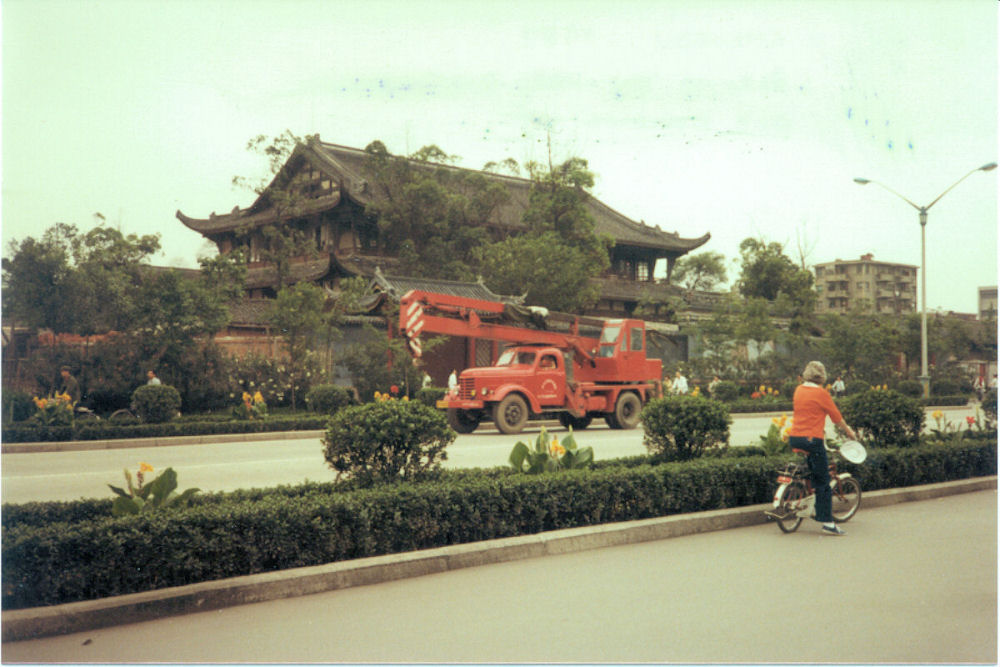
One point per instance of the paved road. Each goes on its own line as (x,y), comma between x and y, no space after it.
(229,466)
(915,582)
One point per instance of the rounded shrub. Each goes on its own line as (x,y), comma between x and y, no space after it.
(156,403)
(386,440)
(911,388)
(431,395)
(884,418)
(17,406)
(678,428)
(852,387)
(945,387)
(726,391)
(788,388)
(327,399)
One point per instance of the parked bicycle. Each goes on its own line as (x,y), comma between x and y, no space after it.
(795,498)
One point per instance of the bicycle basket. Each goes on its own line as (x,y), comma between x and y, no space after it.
(853,451)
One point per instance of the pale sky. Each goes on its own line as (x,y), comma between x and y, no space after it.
(731,117)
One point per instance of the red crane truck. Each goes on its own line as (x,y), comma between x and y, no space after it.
(543,371)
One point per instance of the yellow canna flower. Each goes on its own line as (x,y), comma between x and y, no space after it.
(937,414)
(556,449)
(258,397)
(145,467)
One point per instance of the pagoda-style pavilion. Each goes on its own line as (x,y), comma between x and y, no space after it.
(330,192)
(330,209)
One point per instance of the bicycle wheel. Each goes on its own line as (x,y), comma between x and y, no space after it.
(846,499)
(791,497)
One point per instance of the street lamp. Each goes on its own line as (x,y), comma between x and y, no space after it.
(925,378)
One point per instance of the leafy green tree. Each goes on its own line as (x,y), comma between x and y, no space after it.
(36,280)
(716,337)
(860,345)
(430,216)
(542,266)
(555,260)
(296,314)
(767,273)
(76,283)
(172,309)
(704,271)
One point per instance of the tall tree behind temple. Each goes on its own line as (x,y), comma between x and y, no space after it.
(554,260)
(431,217)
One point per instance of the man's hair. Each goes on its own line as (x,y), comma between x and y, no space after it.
(66,368)
(814,372)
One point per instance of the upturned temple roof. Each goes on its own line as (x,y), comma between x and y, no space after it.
(345,166)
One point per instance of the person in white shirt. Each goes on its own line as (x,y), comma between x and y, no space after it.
(680,385)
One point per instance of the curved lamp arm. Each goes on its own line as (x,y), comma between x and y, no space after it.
(923,209)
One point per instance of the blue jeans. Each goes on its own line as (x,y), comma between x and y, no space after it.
(819,474)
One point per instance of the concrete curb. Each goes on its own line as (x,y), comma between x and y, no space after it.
(166,441)
(22,624)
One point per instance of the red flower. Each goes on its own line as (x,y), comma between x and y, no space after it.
(970,420)
(393,390)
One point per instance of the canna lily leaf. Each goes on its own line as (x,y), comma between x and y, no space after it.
(121,492)
(123,506)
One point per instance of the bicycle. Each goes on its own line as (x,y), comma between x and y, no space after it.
(795,498)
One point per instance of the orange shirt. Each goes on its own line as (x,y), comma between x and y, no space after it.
(812,404)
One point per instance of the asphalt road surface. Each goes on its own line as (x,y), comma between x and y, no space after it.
(911,583)
(229,466)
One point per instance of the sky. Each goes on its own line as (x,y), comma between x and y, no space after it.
(742,119)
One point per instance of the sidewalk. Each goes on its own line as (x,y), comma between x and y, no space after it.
(25,624)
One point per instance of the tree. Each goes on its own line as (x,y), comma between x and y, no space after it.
(859,344)
(554,261)
(296,313)
(766,272)
(543,268)
(705,271)
(76,283)
(36,280)
(430,216)
(173,309)
(280,241)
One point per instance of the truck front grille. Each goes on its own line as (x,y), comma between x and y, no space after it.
(466,388)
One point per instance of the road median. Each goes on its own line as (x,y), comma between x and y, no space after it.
(23,624)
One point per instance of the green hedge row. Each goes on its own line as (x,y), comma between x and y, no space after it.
(62,552)
(762,405)
(91,430)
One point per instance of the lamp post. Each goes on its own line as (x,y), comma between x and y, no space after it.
(925,378)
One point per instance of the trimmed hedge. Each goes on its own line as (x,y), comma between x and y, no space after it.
(62,552)
(103,430)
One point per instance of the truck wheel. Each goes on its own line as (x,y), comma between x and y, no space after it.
(463,421)
(576,423)
(627,409)
(510,414)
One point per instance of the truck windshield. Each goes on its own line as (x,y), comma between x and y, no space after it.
(513,357)
(609,336)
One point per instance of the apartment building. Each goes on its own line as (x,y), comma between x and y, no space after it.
(876,287)
(988,303)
